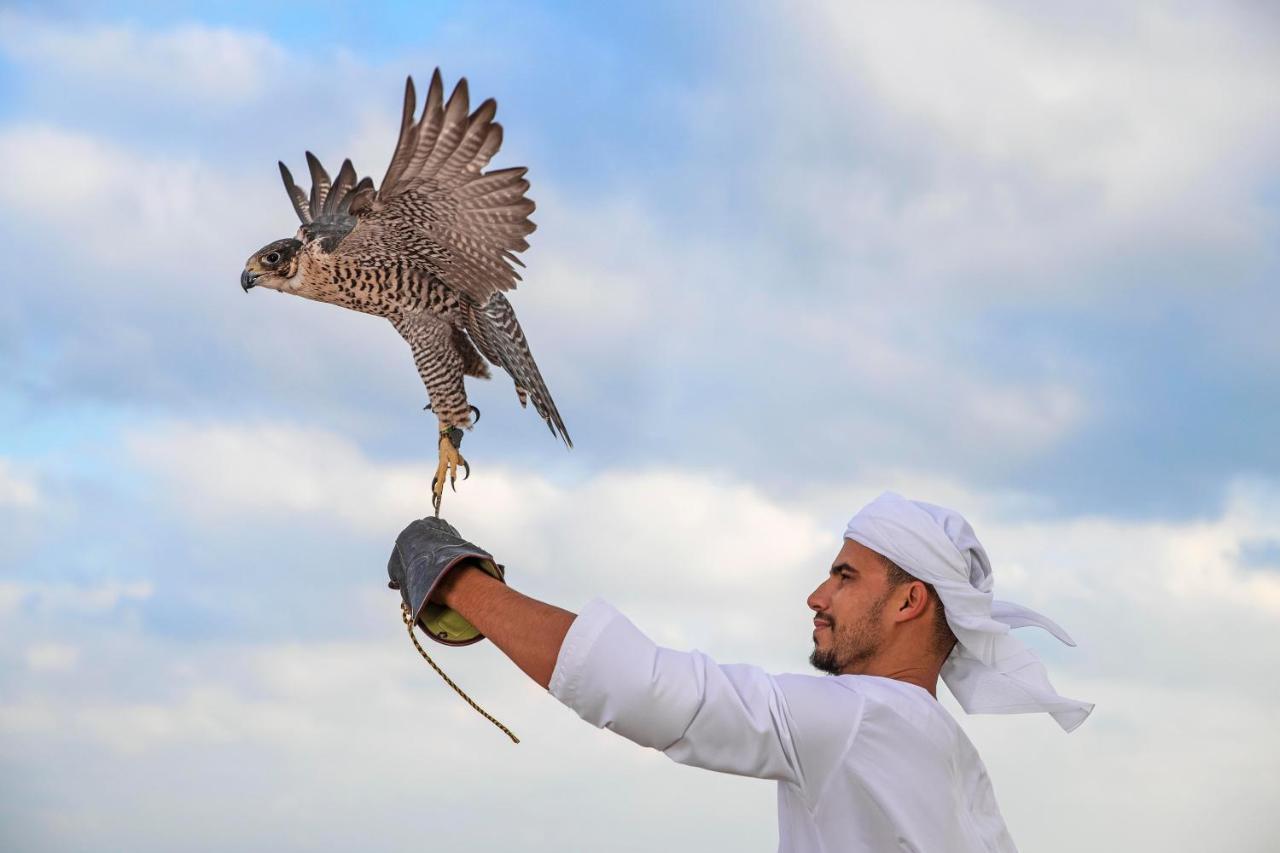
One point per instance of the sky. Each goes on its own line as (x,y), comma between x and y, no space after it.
(1017,260)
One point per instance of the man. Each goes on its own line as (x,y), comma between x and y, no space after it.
(866,760)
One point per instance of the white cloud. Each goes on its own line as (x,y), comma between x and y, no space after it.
(637,530)
(1143,102)
(1140,774)
(602,270)
(696,559)
(133,213)
(1009,149)
(63,597)
(11,595)
(1194,564)
(52,657)
(276,473)
(17,490)
(891,367)
(149,249)
(606,282)
(281,471)
(215,66)
(1029,147)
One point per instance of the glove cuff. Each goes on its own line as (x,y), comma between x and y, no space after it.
(443,624)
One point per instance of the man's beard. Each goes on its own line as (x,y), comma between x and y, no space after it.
(848,648)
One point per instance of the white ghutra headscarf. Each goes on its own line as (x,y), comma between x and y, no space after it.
(989,671)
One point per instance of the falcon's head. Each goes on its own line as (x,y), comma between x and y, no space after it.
(272,266)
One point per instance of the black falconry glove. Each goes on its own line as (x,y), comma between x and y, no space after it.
(426,551)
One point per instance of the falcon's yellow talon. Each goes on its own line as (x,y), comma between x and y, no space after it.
(450,460)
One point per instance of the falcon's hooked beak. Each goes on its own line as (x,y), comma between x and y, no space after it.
(248,279)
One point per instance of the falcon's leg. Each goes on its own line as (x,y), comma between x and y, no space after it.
(441,367)
(474,412)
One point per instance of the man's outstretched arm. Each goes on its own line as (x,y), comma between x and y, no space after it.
(731,718)
(528,631)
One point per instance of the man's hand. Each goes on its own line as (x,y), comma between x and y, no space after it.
(457,591)
(425,553)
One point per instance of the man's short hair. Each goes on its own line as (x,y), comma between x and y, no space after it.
(943,637)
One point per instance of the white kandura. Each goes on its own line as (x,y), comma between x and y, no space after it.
(863,763)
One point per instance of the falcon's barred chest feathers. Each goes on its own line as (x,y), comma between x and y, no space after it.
(432,249)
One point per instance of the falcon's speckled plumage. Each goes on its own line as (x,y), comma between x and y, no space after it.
(432,249)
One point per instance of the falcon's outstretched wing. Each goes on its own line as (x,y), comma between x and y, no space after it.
(435,209)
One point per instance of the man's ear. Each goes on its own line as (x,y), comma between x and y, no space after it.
(913,599)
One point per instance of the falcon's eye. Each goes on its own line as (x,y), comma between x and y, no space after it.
(273,258)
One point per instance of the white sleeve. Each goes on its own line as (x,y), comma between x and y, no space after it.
(729,718)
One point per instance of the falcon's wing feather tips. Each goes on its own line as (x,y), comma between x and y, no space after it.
(436,206)
(432,249)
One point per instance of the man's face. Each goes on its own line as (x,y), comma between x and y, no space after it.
(848,608)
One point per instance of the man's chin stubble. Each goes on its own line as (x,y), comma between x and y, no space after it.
(824,661)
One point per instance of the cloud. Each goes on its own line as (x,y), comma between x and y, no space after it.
(62,597)
(871,285)
(279,475)
(601,293)
(949,150)
(279,471)
(601,528)
(1016,262)
(141,256)
(17,490)
(284,721)
(24,504)
(134,214)
(52,657)
(697,559)
(218,67)
(1123,776)
(1131,103)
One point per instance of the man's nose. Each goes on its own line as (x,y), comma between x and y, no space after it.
(816,601)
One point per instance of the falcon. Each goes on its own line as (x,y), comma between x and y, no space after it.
(432,249)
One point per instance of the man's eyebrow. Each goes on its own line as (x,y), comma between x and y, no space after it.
(843,567)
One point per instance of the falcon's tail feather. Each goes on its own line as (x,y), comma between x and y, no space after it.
(497,334)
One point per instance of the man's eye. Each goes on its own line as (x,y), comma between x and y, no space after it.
(273,258)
